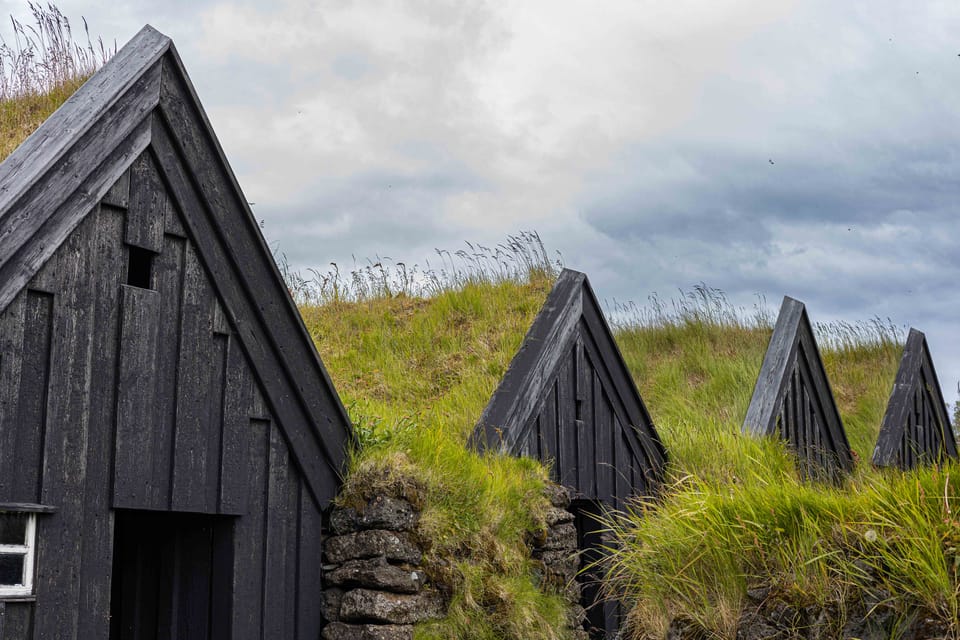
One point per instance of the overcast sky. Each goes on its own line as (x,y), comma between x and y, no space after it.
(809,149)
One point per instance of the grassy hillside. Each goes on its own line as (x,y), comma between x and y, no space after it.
(415,373)
(736,517)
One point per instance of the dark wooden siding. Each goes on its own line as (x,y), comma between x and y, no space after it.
(792,398)
(118,396)
(568,400)
(916,427)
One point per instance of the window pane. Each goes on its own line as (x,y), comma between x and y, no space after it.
(13,527)
(11,569)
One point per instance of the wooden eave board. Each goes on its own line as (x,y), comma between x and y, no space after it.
(143,99)
(916,373)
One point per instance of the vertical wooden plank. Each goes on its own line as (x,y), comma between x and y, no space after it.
(586,427)
(604,446)
(11,358)
(566,411)
(221,589)
(279,523)
(119,193)
(309,585)
(214,422)
(193,590)
(3,615)
(65,445)
(235,447)
(190,454)
(624,483)
(250,540)
(30,429)
(17,621)
(548,427)
(148,203)
(98,517)
(135,466)
(168,280)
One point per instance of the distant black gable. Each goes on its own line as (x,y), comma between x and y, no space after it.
(568,398)
(792,399)
(916,426)
(165,422)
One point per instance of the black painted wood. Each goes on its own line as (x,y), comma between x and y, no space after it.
(194,390)
(792,399)
(916,426)
(568,399)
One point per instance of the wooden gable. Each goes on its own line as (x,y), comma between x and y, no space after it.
(568,399)
(916,426)
(153,369)
(141,111)
(792,399)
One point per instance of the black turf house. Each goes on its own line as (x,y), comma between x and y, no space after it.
(169,438)
(569,400)
(792,399)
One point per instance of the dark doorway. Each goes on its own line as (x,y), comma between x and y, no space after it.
(171,576)
(603,616)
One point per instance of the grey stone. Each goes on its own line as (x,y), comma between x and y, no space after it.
(343,520)
(388,513)
(556,515)
(341,631)
(330,604)
(559,496)
(562,536)
(364,605)
(393,545)
(377,573)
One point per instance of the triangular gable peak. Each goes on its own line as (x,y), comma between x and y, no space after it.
(568,398)
(916,426)
(792,399)
(140,113)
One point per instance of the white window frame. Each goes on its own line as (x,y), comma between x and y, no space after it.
(28,550)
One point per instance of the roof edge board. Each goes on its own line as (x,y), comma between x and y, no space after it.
(553,324)
(291,311)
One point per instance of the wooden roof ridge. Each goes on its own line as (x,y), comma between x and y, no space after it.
(916,384)
(793,356)
(142,100)
(503,423)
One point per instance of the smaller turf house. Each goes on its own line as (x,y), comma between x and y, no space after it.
(916,426)
(569,401)
(792,399)
(169,438)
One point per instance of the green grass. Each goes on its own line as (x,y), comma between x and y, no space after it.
(41,69)
(735,514)
(415,373)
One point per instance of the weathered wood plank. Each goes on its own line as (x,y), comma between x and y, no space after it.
(118,195)
(250,540)
(135,465)
(309,568)
(11,358)
(67,435)
(31,427)
(17,621)
(191,457)
(235,448)
(148,205)
(168,271)
(567,458)
(281,519)
(98,536)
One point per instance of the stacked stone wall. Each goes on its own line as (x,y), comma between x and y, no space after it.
(374,586)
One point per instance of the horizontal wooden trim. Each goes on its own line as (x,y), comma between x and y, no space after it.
(27,507)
